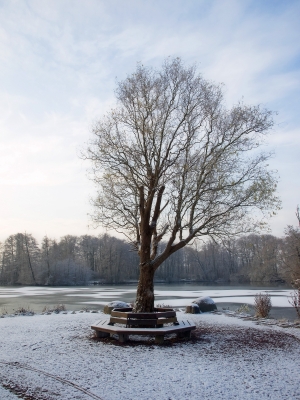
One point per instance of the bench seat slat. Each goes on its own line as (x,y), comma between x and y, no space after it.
(181,327)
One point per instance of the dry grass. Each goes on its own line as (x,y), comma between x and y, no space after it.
(295,301)
(24,311)
(262,305)
(56,309)
(3,311)
(243,309)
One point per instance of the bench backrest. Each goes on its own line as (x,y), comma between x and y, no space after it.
(130,315)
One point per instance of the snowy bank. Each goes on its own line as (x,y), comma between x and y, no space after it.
(55,357)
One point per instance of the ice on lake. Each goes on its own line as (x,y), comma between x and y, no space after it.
(175,295)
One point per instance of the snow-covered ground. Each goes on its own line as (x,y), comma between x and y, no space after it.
(55,357)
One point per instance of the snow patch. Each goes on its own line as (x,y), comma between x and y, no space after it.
(118,371)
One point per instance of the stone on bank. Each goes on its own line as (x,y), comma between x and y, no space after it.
(192,309)
(205,304)
(114,304)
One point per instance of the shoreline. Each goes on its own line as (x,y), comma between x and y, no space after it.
(278,313)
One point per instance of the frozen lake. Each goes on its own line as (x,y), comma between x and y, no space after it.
(95,297)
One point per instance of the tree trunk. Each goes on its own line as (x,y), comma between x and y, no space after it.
(145,290)
(29,260)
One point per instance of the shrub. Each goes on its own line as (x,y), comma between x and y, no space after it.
(3,311)
(24,311)
(262,305)
(56,309)
(244,308)
(295,297)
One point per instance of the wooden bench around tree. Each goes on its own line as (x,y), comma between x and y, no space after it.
(156,319)
(148,324)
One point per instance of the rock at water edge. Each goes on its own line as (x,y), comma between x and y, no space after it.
(114,304)
(192,309)
(205,304)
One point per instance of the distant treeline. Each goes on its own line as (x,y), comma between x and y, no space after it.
(77,260)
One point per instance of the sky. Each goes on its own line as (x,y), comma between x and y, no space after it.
(59,62)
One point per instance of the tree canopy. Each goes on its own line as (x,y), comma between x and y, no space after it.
(172,162)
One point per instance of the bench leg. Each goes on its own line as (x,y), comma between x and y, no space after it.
(159,339)
(186,335)
(123,337)
(100,334)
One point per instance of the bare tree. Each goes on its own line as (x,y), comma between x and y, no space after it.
(171,162)
(20,260)
(26,240)
(298,214)
(291,251)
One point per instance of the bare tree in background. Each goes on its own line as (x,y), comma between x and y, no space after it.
(171,162)
(20,260)
(298,214)
(291,252)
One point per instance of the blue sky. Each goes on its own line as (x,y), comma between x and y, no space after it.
(59,61)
